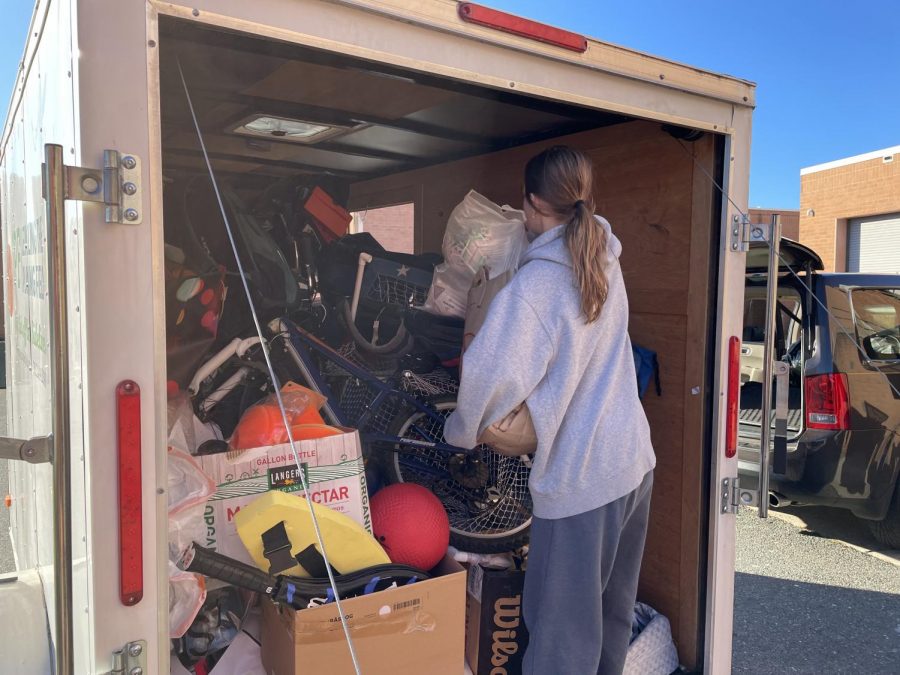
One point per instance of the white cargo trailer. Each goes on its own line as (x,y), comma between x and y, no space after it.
(422,101)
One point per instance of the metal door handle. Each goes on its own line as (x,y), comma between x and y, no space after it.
(769,363)
(54,189)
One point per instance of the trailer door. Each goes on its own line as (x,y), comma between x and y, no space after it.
(43,108)
(80,336)
(726,494)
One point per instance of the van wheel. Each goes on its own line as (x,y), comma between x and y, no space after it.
(887,531)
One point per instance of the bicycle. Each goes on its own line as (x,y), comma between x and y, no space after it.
(400,415)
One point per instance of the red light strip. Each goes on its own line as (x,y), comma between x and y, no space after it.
(509,23)
(131,548)
(733,396)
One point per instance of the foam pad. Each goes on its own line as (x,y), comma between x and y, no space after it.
(349,546)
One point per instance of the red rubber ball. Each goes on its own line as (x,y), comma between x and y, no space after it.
(411,524)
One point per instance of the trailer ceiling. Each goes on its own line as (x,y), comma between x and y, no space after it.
(398,119)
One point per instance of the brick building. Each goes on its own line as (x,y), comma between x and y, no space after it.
(850,212)
(392,226)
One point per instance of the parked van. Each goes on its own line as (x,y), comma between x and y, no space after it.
(392,102)
(839,335)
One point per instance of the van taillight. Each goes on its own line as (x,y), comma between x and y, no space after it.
(827,402)
(732,399)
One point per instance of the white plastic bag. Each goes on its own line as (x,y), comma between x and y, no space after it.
(186,431)
(479,234)
(652,651)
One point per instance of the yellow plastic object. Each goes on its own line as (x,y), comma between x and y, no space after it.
(349,546)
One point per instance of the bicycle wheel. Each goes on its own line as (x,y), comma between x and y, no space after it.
(485,494)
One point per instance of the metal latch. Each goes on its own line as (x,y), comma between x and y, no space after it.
(734,496)
(117,185)
(34,450)
(744,233)
(131,659)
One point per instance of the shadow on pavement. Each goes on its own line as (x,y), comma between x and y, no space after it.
(786,626)
(835,524)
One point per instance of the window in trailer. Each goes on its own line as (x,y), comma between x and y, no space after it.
(309,145)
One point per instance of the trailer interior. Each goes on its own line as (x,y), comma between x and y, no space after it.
(383,136)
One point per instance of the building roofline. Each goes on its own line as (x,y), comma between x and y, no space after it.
(893,150)
(771,208)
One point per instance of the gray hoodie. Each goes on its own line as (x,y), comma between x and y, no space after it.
(578,380)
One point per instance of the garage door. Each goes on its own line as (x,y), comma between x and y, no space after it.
(873,244)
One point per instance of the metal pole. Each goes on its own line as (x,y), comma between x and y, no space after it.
(54,195)
(765,431)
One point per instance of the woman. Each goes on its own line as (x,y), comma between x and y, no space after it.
(557,338)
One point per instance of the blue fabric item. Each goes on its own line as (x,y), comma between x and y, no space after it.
(290,593)
(647,368)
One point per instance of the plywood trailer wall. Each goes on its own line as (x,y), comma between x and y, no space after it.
(662,209)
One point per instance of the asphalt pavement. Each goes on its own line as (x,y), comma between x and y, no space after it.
(807,603)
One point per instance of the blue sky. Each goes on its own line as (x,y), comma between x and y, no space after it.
(828,71)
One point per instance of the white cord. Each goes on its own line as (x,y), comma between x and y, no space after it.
(275,383)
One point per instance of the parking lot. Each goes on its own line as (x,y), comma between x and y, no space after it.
(814,594)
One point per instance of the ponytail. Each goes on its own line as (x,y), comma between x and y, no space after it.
(586,239)
(563,178)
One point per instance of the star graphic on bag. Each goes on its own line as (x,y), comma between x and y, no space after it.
(403,271)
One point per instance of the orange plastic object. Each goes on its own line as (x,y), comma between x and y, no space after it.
(262,424)
(8,501)
(321,206)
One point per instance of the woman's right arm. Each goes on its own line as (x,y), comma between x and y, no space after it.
(503,366)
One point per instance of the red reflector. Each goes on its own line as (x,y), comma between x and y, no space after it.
(509,23)
(827,402)
(732,398)
(131,549)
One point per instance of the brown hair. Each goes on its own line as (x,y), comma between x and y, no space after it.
(563,178)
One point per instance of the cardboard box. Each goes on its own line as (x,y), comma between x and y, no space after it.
(496,636)
(410,630)
(333,467)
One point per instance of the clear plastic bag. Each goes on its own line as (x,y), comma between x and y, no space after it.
(187,593)
(479,234)
(186,484)
(186,431)
(188,488)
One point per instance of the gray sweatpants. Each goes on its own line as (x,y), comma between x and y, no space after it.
(581,585)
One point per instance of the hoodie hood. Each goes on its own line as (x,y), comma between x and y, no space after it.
(551,245)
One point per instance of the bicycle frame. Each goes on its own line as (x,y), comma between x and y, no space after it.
(303,344)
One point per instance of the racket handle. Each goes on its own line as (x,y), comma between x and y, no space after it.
(229,570)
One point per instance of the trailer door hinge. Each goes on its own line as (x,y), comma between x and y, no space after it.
(734,497)
(744,233)
(33,450)
(117,185)
(131,659)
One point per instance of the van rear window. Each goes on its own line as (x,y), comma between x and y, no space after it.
(876,313)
